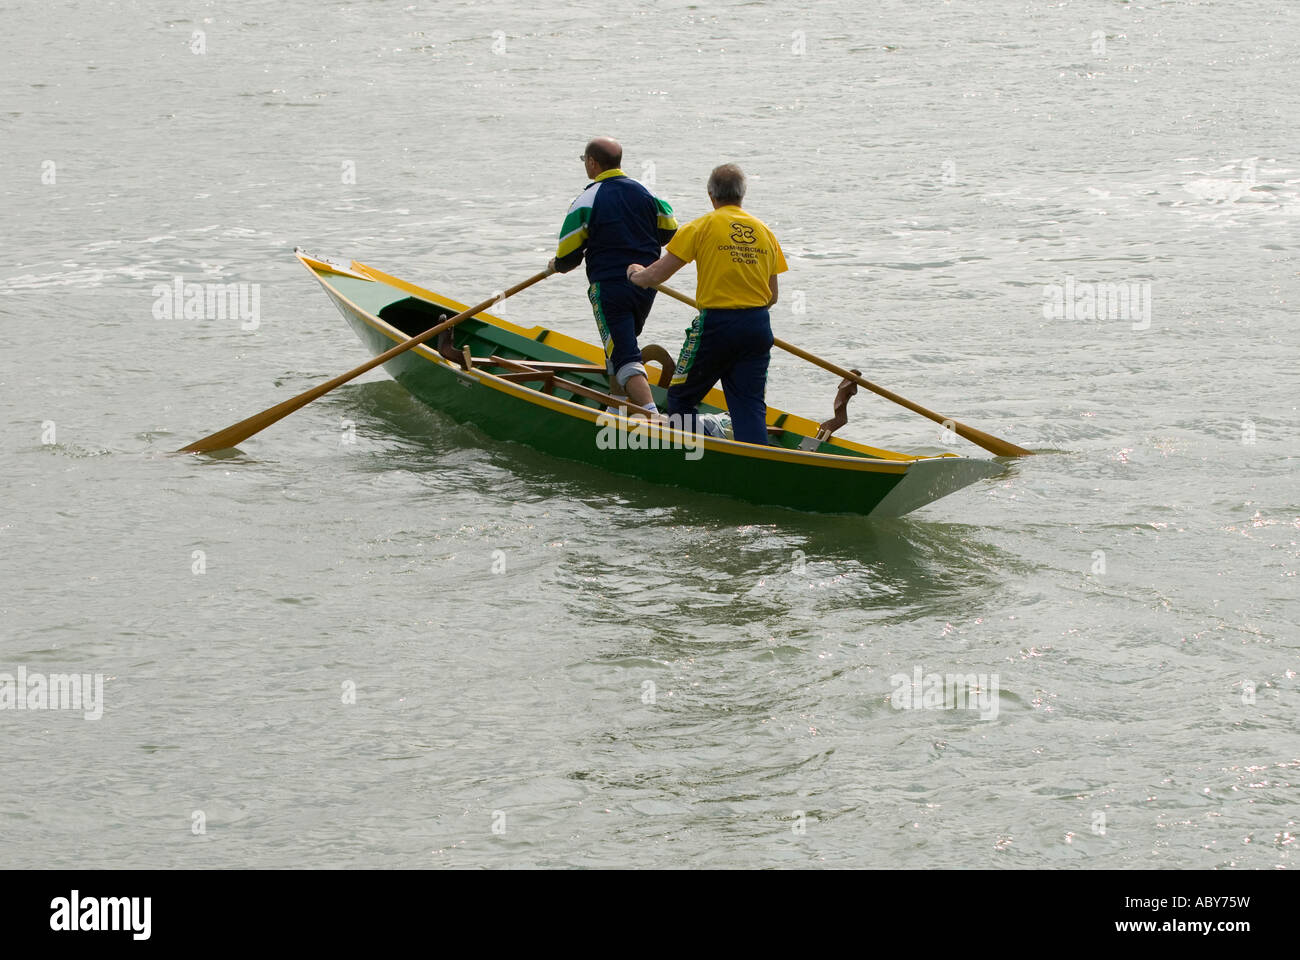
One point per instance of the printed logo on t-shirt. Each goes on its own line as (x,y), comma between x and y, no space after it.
(742,247)
(742,233)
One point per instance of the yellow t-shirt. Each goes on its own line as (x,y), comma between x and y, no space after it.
(735,253)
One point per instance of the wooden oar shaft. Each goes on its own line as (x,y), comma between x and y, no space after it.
(989,442)
(676,295)
(239,432)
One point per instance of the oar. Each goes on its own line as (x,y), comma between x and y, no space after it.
(241,431)
(989,442)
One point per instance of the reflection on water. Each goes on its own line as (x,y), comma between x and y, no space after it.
(723,550)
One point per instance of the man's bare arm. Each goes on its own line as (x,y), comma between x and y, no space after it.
(771,284)
(658,272)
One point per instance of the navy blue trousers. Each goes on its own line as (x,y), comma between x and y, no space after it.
(621,308)
(733,346)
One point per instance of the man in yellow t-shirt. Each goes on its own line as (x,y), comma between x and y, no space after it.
(737,259)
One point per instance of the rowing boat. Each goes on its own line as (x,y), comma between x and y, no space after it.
(547,390)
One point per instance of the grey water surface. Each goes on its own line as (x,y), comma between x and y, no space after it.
(374,637)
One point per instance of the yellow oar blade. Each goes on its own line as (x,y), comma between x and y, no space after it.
(237,433)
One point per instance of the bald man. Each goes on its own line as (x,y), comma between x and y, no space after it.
(615,222)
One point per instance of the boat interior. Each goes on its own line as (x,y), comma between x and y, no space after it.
(502,353)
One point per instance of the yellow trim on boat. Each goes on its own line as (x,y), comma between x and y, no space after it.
(734,447)
(317,263)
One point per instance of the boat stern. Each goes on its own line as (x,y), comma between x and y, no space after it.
(928,480)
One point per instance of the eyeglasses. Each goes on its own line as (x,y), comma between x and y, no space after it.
(583,158)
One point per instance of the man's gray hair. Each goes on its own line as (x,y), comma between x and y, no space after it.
(727,184)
